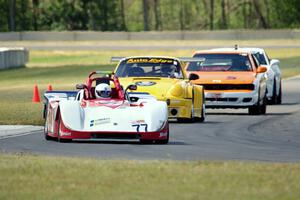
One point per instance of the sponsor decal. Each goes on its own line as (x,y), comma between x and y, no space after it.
(145,83)
(217,95)
(149,60)
(100,121)
(231,77)
(163,134)
(138,121)
(216,81)
(62,133)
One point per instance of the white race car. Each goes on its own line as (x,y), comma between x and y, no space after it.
(126,115)
(274,89)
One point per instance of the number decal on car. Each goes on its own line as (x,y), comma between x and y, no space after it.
(140,127)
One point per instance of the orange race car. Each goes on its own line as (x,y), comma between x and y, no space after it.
(231,79)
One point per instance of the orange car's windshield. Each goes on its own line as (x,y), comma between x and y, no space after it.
(221,62)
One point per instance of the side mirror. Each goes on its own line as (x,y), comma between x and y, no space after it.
(80,86)
(261,69)
(193,77)
(131,87)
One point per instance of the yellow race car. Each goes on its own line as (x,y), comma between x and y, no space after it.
(164,78)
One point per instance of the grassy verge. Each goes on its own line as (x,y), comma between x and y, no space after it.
(36,177)
(16,87)
(63,69)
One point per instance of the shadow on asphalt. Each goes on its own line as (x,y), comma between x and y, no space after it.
(279,114)
(125,142)
(246,114)
(220,113)
(288,104)
(185,123)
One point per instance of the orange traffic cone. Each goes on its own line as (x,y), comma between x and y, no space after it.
(36,96)
(49,87)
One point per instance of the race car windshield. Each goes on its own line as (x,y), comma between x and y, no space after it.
(221,62)
(261,58)
(149,67)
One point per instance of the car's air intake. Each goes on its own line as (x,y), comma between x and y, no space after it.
(228,86)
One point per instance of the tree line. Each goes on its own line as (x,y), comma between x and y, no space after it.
(147,15)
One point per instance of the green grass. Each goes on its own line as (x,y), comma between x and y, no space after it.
(16,87)
(64,69)
(62,58)
(37,177)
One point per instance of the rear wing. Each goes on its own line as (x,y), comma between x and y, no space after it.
(59,95)
(102,73)
(191,59)
(116,59)
(182,59)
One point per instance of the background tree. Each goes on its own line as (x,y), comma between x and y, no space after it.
(137,15)
(12,15)
(146,15)
(212,14)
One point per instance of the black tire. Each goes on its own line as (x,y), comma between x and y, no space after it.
(185,120)
(165,141)
(202,118)
(254,110)
(279,96)
(274,96)
(146,141)
(259,108)
(263,107)
(47,137)
(59,139)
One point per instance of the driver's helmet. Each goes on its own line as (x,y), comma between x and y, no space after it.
(103,90)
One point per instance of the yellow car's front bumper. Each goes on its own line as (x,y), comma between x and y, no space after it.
(181,108)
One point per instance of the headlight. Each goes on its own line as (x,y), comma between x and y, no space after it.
(176,90)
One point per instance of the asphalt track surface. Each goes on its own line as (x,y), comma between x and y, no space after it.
(227,134)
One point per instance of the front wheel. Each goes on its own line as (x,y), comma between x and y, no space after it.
(203,115)
(47,137)
(259,108)
(59,139)
(165,141)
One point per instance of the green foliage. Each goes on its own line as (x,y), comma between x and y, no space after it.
(109,15)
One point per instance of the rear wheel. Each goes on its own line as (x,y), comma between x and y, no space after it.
(185,120)
(279,96)
(47,137)
(274,96)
